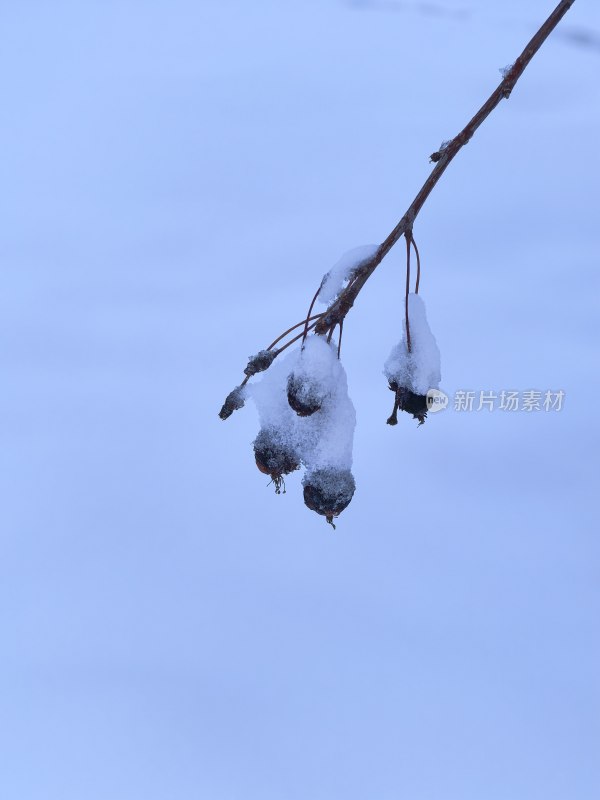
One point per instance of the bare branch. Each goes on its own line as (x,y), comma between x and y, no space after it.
(335,314)
(340,307)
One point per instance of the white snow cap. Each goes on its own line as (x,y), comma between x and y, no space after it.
(270,397)
(420,369)
(339,275)
(324,439)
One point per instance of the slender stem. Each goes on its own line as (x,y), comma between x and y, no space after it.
(340,307)
(407,292)
(312,305)
(414,244)
(295,339)
(340,339)
(293,328)
(393,418)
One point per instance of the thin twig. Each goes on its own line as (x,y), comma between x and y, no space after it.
(293,328)
(295,339)
(414,244)
(407,292)
(340,307)
(312,305)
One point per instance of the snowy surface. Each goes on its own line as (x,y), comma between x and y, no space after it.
(418,370)
(176,179)
(343,270)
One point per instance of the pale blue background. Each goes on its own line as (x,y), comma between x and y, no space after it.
(176,177)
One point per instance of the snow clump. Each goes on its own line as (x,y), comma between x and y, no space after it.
(412,374)
(420,369)
(321,440)
(341,273)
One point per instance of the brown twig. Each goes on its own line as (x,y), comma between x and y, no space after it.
(293,328)
(310,308)
(414,244)
(287,344)
(340,307)
(407,292)
(295,339)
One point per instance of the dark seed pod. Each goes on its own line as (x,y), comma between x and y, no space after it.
(234,401)
(328,491)
(407,400)
(274,457)
(260,362)
(304,395)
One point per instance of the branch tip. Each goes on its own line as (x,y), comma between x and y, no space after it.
(234,401)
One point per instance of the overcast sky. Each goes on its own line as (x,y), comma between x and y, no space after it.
(176,178)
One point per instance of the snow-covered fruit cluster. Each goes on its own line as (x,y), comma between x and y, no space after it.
(307,420)
(413,366)
(306,417)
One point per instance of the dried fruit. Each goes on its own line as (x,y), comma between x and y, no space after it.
(328,491)
(274,457)
(413,366)
(407,400)
(304,395)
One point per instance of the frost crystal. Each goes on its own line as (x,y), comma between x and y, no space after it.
(342,272)
(504,71)
(418,370)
